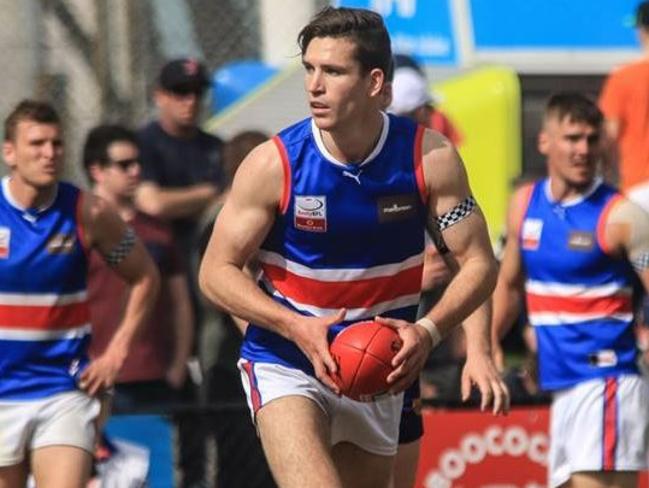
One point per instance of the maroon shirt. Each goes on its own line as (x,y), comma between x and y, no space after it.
(152,348)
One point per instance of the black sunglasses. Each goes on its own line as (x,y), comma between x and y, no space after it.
(125,164)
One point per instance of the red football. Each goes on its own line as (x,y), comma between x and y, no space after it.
(363,352)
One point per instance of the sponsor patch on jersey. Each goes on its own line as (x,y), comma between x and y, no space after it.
(396,207)
(531,234)
(310,213)
(61,244)
(605,358)
(581,241)
(5,238)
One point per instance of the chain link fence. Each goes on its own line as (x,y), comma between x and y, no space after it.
(97,60)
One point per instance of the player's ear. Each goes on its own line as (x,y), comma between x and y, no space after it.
(8,153)
(543,142)
(94,171)
(377,82)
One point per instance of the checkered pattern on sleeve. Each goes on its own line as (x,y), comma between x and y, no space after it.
(122,249)
(457,213)
(641,262)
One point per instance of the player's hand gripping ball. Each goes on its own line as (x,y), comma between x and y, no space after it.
(364,352)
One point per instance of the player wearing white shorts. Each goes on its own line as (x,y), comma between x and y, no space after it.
(334,209)
(47,388)
(578,247)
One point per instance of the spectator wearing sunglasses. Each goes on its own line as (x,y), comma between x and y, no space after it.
(155,371)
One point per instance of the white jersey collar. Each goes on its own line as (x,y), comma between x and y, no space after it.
(574,200)
(377,149)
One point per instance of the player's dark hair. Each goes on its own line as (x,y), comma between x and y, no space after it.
(642,16)
(33,110)
(577,107)
(362,27)
(99,139)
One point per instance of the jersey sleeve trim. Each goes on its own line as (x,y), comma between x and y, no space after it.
(286,166)
(419,164)
(81,228)
(526,197)
(601,223)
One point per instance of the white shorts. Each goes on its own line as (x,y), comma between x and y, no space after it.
(599,425)
(63,419)
(373,426)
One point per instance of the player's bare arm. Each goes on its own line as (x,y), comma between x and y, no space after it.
(509,293)
(479,369)
(239,231)
(465,234)
(627,234)
(106,232)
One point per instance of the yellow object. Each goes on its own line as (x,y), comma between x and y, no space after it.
(485,106)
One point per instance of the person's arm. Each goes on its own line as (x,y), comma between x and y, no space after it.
(479,368)
(169,203)
(467,240)
(610,104)
(105,231)
(627,234)
(244,221)
(183,328)
(509,293)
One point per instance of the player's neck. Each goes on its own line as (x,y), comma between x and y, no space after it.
(564,191)
(354,142)
(29,196)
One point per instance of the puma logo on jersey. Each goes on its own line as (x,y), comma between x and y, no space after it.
(355,177)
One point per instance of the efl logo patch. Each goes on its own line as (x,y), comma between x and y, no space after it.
(311,213)
(531,234)
(5,237)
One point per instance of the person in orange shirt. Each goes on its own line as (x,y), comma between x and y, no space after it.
(625,103)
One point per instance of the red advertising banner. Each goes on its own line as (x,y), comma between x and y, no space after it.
(472,449)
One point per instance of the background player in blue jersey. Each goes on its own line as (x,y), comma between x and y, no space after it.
(575,247)
(334,209)
(48,403)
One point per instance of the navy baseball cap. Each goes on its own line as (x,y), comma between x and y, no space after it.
(183,75)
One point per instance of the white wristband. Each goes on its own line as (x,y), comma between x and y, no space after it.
(432,330)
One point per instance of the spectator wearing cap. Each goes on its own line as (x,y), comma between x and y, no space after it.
(180,179)
(181,164)
(411,97)
(625,103)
